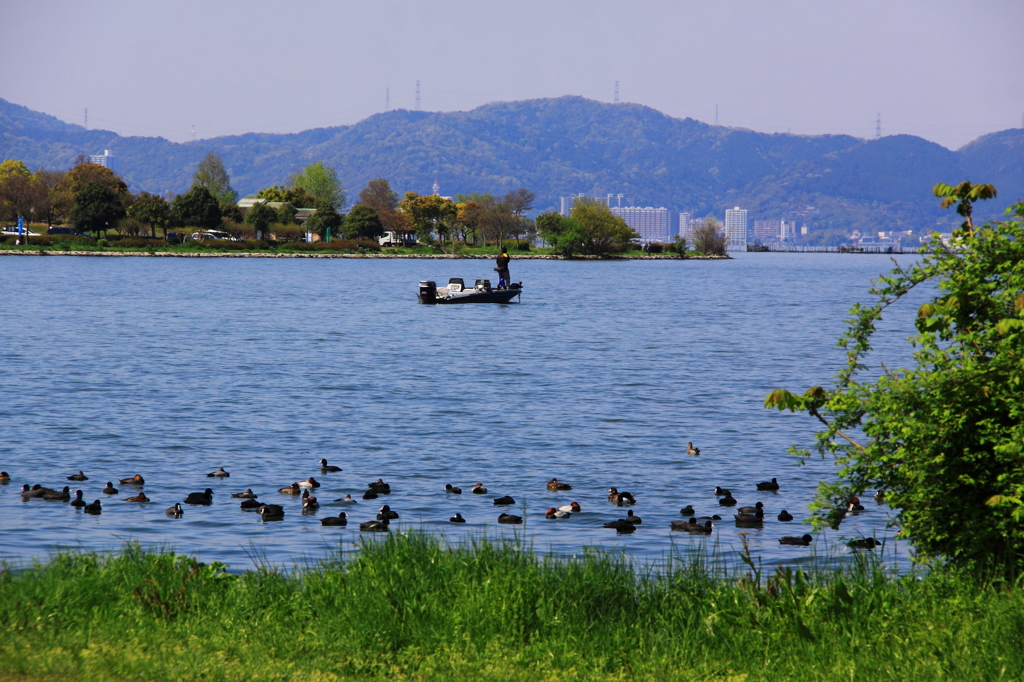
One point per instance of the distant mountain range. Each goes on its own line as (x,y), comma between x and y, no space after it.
(568,145)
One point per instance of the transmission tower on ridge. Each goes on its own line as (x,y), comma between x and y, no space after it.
(616,92)
(87,118)
(387,99)
(417,95)
(878,127)
(193,132)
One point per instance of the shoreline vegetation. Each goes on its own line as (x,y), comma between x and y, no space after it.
(413,606)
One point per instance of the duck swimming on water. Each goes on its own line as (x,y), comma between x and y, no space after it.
(94,508)
(78,501)
(110,489)
(690,450)
(457,518)
(621,526)
(504,501)
(387,513)
(133,480)
(205,497)
(175,511)
(573,507)
(479,489)
(292,489)
(452,490)
(620,499)
(555,484)
(768,485)
(785,516)
(219,473)
(346,500)
(375,526)
(340,520)
(692,526)
(248,494)
(553,513)
(509,518)
(802,541)
(141,497)
(327,468)
(78,477)
(58,495)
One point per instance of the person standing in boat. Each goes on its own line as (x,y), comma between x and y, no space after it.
(504,281)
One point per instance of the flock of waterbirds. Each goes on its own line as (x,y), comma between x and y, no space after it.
(752,516)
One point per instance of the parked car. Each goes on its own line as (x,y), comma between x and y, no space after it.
(69,231)
(12,231)
(208,235)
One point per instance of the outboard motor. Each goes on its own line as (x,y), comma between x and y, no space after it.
(428,292)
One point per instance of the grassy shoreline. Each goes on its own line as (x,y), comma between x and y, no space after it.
(412,607)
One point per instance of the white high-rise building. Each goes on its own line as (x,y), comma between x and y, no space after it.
(106,159)
(736,229)
(652,224)
(686,224)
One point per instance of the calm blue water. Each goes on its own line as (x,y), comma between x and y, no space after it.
(173,367)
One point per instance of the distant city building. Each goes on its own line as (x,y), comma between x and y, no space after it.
(775,230)
(686,225)
(107,160)
(652,224)
(736,229)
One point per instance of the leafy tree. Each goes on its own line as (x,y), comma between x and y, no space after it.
(212,176)
(945,439)
(322,182)
(363,222)
(468,220)
(196,208)
(51,200)
(296,196)
(379,196)
(325,218)
(260,217)
(84,173)
(605,232)
(97,208)
(430,214)
(519,201)
(286,214)
(709,237)
(151,209)
(566,236)
(17,197)
(11,167)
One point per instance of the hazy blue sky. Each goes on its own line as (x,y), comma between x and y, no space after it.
(946,70)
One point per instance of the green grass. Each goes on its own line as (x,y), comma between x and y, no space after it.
(413,607)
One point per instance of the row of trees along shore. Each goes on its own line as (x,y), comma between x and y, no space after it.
(95,199)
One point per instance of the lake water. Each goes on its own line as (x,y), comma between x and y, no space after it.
(171,368)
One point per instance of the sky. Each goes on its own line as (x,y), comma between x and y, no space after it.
(947,71)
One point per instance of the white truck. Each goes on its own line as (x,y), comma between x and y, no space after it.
(392,238)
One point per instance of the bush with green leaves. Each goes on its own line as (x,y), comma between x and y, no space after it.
(944,439)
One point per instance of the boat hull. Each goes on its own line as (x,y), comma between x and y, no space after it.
(433,295)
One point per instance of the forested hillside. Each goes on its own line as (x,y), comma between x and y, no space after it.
(563,146)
